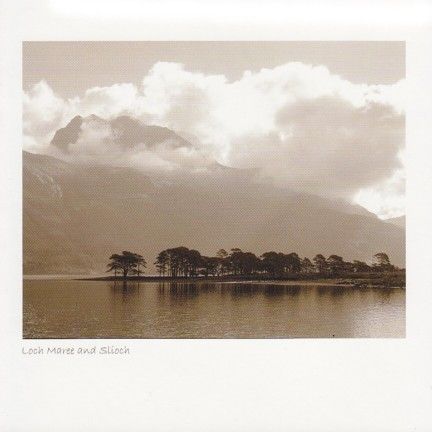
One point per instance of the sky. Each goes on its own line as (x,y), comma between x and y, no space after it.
(325,118)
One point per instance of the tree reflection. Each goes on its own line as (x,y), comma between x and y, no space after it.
(124,285)
(338,291)
(126,290)
(243,290)
(178,290)
(385,294)
(293,290)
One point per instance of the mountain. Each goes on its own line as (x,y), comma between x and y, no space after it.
(128,133)
(75,216)
(398,221)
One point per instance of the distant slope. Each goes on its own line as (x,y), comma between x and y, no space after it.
(398,221)
(75,216)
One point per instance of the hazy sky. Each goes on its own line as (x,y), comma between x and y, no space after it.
(321,117)
(70,68)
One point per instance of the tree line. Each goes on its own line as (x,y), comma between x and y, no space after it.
(184,262)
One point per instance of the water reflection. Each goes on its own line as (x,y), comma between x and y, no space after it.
(127,291)
(242,290)
(385,295)
(179,290)
(293,290)
(205,310)
(124,286)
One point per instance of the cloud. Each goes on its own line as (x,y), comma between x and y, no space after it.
(43,113)
(325,146)
(387,198)
(108,102)
(103,142)
(299,125)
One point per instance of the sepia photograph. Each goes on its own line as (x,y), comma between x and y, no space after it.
(215,216)
(213,189)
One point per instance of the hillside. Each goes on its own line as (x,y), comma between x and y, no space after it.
(398,221)
(76,215)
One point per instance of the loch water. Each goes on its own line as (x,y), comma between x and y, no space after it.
(61,308)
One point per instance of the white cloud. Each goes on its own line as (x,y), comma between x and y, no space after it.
(43,113)
(108,102)
(300,125)
(387,198)
(325,146)
(100,142)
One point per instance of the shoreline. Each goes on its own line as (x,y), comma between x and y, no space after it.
(380,281)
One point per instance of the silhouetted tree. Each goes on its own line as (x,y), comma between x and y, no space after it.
(223,261)
(222,253)
(181,261)
(243,262)
(335,264)
(209,265)
(161,262)
(292,263)
(113,266)
(127,262)
(360,266)
(235,260)
(320,263)
(177,261)
(273,262)
(306,265)
(193,261)
(250,263)
(381,262)
(140,263)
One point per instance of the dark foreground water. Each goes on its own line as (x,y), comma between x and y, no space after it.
(89,309)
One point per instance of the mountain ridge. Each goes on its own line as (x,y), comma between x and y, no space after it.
(128,132)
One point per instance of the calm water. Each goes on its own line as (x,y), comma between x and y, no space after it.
(80,309)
